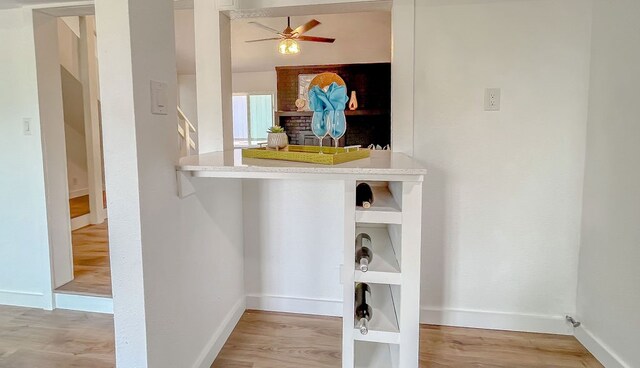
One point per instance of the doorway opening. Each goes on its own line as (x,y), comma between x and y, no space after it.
(78,66)
(74,160)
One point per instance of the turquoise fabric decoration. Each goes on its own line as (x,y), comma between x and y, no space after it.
(337,96)
(334,99)
(318,100)
(328,111)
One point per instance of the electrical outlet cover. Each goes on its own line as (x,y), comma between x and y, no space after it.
(492,99)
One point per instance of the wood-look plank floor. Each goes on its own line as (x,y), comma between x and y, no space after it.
(79,206)
(281,340)
(35,338)
(91,266)
(269,340)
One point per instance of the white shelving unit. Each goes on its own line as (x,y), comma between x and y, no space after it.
(394,224)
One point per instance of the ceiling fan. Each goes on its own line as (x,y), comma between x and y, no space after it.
(289,36)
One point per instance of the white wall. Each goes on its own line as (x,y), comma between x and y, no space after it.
(502,199)
(25,275)
(186,63)
(68,47)
(185,41)
(609,278)
(255,82)
(73,23)
(292,253)
(76,146)
(187,97)
(73,109)
(177,264)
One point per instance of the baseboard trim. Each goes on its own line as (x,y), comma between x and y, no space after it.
(78,193)
(84,303)
(220,336)
(538,323)
(80,222)
(22,299)
(286,304)
(496,320)
(600,350)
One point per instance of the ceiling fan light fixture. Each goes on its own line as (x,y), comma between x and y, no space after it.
(288,46)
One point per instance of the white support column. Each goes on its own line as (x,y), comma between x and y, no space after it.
(410,266)
(213,77)
(125,95)
(90,95)
(402,70)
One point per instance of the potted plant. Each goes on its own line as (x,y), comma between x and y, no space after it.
(276,137)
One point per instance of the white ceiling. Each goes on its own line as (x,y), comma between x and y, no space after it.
(360,37)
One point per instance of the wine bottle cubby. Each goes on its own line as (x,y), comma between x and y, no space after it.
(375,355)
(384,266)
(386,207)
(383,326)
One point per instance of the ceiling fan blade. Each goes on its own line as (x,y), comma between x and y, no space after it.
(306,27)
(265,27)
(315,39)
(264,39)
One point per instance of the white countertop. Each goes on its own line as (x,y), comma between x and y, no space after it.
(380,165)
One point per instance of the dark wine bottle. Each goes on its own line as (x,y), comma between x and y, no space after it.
(364,195)
(363,312)
(363,251)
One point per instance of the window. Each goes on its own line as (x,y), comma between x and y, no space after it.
(252,116)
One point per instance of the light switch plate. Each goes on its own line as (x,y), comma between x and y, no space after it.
(492,99)
(159,98)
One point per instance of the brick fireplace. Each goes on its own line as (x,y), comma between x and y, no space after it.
(370,123)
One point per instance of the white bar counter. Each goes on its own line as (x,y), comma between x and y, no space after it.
(381,165)
(394,223)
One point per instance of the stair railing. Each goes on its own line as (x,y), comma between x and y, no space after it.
(186,131)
